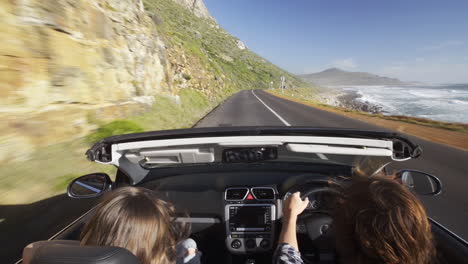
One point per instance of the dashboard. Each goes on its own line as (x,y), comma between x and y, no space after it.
(240,210)
(234,210)
(250,215)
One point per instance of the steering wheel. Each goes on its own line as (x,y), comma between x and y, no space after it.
(317,222)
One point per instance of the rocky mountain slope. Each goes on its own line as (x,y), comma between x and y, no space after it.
(62,61)
(68,66)
(337,77)
(197,7)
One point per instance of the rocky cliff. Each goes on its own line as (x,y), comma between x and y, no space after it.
(62,60)
(75,71)
(66,63)
(197,7)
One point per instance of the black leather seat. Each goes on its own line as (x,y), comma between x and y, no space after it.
(70,252)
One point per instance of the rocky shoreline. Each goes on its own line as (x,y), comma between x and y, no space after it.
(349,99)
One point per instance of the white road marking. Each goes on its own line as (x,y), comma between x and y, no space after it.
(273,111)
(320,155)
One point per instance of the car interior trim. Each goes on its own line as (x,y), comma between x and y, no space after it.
(198,220)
(236,188)
(256,198)
(256,139)
(448,231)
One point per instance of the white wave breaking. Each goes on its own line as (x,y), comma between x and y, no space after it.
(439,102)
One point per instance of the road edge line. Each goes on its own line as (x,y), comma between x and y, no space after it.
(273,111)
(320,155)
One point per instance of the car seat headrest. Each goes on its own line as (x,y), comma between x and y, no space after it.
(71,252)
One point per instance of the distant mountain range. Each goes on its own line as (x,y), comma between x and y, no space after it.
(338,77)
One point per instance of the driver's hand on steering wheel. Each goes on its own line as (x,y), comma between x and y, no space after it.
(294,205)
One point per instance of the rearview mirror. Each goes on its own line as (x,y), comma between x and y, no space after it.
(420,182)
(90,185)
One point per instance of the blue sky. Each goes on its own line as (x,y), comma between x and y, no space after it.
(414,40)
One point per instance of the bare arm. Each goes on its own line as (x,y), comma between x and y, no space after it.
(288,232)
(293,206)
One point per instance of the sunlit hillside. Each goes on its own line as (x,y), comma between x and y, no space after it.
(74,73)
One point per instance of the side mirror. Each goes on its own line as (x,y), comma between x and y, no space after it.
(88,186)
(420,182)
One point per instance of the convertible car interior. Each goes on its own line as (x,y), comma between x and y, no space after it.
(230,186)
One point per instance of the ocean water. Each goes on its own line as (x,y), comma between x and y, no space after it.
(444,102)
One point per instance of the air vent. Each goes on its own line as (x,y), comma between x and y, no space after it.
(236,194)
(263,193)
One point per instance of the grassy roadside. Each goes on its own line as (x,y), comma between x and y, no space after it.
(452,134)
(50,169)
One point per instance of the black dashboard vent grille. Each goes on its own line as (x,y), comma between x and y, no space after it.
(263,193)
(236,194)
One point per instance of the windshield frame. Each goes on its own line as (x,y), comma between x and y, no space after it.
(101,150)
(112,150)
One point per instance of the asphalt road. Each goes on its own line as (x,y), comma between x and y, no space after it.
(258,108)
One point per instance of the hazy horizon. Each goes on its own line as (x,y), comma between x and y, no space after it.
(414,81)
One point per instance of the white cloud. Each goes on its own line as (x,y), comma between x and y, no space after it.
(348,63)
(443,45)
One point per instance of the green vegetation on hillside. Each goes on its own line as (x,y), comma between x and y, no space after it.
(117,127)
(167,113)
(57,165)
(216,49)
(211,67)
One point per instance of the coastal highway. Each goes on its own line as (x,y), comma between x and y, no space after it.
(258,108)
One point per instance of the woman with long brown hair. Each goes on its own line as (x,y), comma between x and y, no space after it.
(135,219)
(381,221)
(378,221)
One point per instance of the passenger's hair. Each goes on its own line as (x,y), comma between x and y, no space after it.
(133,218)
(380,221)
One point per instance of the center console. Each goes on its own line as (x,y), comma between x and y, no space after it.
(250,215)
